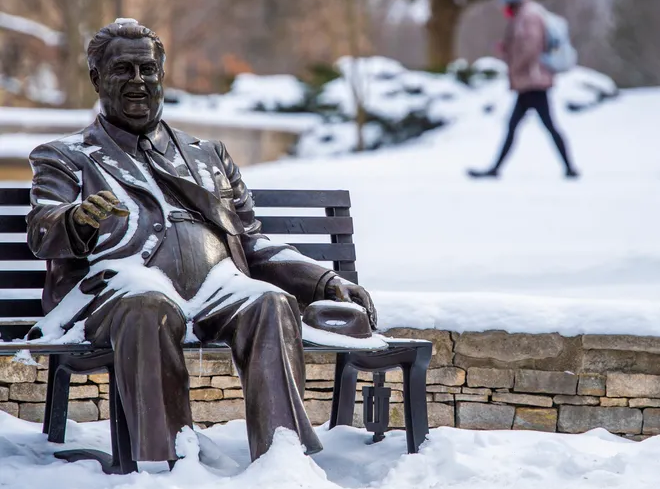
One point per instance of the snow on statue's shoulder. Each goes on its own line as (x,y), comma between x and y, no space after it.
(76,138)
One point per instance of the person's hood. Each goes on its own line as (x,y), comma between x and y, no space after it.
(506,6)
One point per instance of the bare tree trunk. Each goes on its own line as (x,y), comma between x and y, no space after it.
(633,43)
(441,31)
(119,9)
(70,52)
(354,78)
(80,18)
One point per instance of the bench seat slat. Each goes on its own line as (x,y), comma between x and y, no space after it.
(12,348)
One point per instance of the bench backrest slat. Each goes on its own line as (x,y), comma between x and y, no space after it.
(12,308)
(22,279)
(14,196)
(12,224)
(15,252)
(25,282)
(271,225)
(302,198)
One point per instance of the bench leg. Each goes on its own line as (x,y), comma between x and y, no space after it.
(121,438)
(59,405)
(121,460)
(376,407)
(53,364)
(414,398)
(343,396)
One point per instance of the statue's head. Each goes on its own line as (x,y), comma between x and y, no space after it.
(126,67)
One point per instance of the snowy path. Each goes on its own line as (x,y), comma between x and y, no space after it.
(529,233)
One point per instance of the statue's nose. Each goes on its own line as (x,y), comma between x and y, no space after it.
(137,76)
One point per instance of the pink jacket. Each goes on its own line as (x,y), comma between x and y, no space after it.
(524,42)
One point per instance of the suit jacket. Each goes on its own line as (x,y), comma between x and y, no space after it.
(68,170)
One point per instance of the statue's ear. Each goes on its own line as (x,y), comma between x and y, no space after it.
(94,76)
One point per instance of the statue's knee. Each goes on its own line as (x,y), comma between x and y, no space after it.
(160,309)
(280,301)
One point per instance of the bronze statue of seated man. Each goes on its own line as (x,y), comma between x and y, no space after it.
(151,241)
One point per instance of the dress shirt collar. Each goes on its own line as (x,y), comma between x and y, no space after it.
(128,141)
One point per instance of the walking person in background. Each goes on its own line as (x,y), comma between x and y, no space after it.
(526,52)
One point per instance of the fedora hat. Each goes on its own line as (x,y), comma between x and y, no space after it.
(344,318)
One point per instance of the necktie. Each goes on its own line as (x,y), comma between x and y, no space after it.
(154,158)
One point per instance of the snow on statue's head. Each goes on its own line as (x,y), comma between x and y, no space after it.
(125,62)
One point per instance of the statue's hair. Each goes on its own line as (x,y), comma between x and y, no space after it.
(128,28)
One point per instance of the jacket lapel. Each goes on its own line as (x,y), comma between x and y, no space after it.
(113,159)
(218,211)
(192,156)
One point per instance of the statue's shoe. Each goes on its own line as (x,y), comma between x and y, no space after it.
(339,324)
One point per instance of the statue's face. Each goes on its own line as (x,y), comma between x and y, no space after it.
(130,84)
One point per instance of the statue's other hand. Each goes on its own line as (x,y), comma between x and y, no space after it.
(97,208)
(35,333)
(338,289)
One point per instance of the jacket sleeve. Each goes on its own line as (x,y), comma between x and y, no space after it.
(528,42)
(56,191)
(279,264)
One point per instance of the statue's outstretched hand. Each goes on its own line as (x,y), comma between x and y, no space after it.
(338,289)
(97,208)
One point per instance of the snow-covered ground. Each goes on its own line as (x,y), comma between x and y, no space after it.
(423,226)
(459,459)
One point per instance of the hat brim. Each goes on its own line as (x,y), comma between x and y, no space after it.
(319,337)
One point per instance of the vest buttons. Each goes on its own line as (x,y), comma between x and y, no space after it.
(146,254)
(158,227)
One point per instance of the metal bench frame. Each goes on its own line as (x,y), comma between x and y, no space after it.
(412,356)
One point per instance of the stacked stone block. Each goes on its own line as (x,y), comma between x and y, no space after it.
(490,380)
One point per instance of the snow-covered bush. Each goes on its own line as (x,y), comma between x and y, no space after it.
(583,88)
(398,104)
(274,93)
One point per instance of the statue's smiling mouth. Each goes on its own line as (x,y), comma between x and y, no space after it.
(136,96)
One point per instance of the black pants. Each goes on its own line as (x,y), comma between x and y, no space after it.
(537,100)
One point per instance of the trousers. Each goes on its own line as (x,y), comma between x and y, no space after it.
(537,100)
(146,332)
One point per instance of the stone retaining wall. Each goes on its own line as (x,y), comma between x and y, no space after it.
(491,380)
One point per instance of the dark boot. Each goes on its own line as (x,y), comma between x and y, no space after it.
(572,174)
(492,173)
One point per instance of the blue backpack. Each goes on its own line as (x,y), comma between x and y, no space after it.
(559,55)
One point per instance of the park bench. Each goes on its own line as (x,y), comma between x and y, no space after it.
(22,277)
